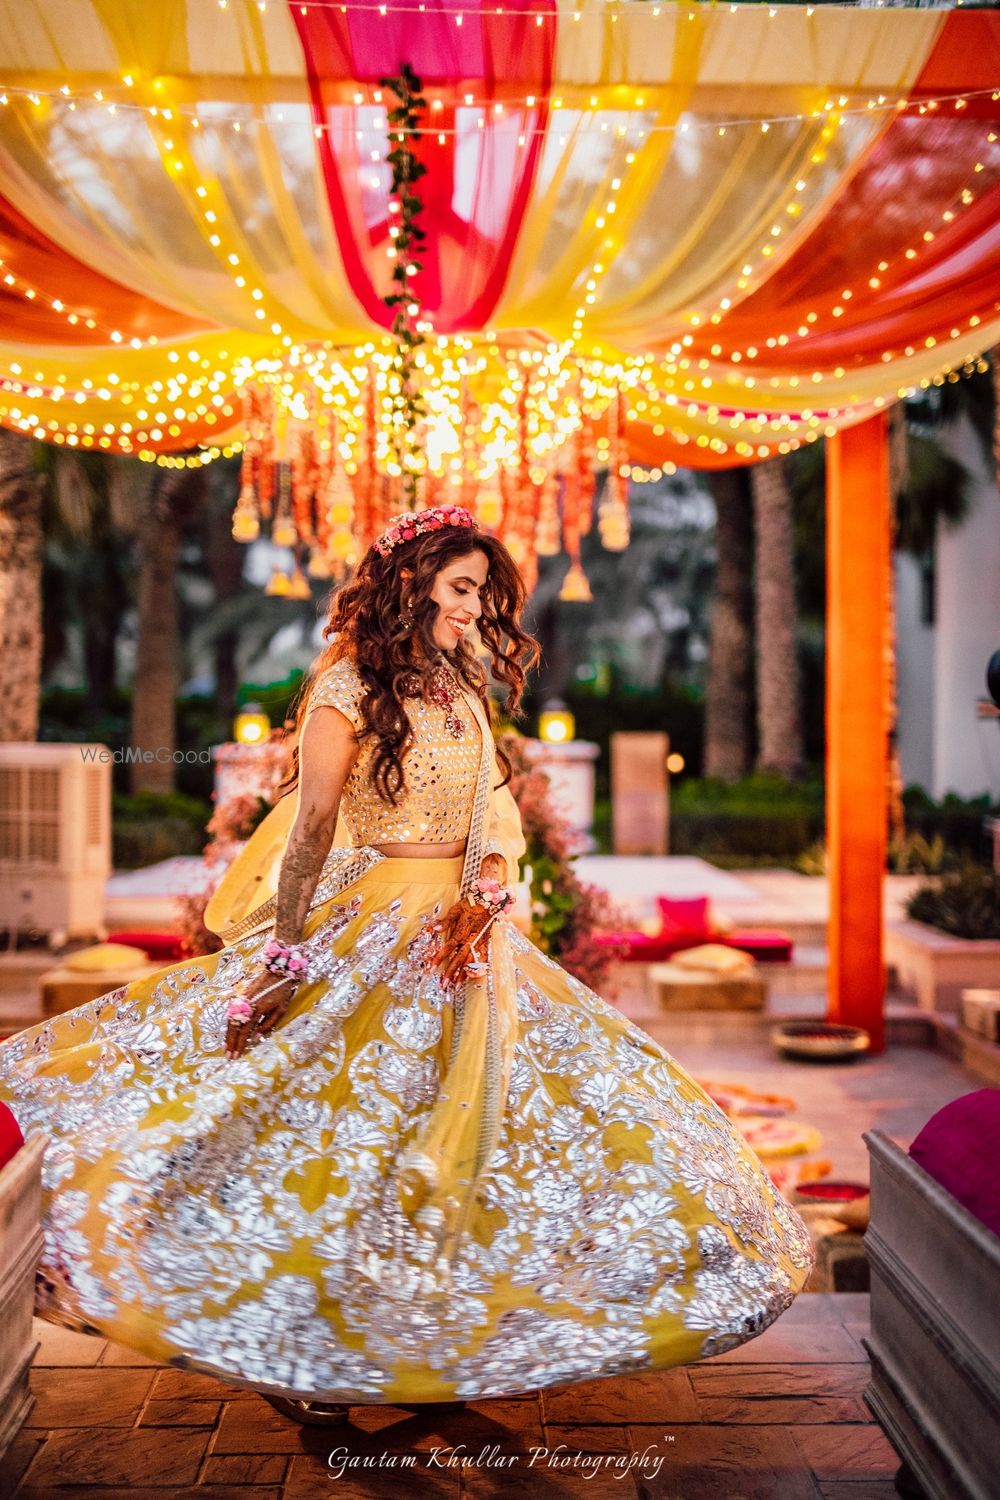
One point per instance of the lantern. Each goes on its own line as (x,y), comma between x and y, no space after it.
(556,725)
(252,725)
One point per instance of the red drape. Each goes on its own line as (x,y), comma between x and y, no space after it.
(479,174)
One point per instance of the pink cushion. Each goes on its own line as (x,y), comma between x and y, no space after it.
(959,1147)
(11,1139)
(155,945)
(688,917)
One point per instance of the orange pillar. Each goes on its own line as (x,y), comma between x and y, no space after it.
(857,549)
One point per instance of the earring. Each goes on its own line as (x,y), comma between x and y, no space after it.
(406,617)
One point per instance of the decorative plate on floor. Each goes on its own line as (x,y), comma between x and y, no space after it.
(770,1138)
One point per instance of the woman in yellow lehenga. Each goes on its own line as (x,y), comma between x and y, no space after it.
(380,1148)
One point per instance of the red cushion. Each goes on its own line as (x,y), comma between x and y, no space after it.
(11,1139)
(765,943)
(959,1147)
(162,945)
(688,917)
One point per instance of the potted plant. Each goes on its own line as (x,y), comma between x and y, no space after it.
(952,938)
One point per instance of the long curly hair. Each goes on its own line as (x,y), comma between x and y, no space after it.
(397,661)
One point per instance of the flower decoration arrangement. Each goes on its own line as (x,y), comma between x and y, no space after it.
(565,912)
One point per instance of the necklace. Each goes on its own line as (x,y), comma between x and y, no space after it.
(443,694)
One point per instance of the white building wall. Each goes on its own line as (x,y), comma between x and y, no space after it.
(966,750)
(915,677)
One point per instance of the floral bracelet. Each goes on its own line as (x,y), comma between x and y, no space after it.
(280,958)
(494,898)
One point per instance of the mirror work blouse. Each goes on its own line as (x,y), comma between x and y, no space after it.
(440,766)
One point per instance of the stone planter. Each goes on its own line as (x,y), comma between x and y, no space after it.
(20,1246)
(935,1329)
(936,967)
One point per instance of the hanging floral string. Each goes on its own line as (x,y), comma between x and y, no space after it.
(408,237)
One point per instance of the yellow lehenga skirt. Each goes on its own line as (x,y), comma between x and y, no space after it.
(258,1218)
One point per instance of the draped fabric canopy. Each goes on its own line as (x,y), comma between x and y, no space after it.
(759,225)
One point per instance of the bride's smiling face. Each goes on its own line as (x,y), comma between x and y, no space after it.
(457,594)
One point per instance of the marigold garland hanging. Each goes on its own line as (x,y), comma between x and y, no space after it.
(407,234)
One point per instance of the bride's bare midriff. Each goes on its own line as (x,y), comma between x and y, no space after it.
(423,851)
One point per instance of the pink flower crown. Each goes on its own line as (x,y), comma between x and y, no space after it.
(405,527)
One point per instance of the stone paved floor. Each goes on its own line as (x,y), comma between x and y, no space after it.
(781,1418)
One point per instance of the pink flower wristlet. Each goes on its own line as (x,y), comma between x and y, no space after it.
(280,958)
(493,897)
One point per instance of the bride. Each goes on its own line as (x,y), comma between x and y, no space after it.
(380,1148)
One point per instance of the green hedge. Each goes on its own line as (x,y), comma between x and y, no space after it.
(778,835)
(151,826)
(758,818)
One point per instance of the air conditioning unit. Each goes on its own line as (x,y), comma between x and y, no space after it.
(55,838)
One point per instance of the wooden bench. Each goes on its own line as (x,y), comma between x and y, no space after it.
(935,1330)
(20,1247)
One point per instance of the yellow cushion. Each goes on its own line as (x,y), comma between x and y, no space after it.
(714,957)
(105,956)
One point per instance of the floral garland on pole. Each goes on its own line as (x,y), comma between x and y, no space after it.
(407,236)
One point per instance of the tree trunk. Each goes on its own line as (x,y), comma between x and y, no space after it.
(83,498)
(224,556)
(779,706)
(154,690)
(20,588)
(729,699)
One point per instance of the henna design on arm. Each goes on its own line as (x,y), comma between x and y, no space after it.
(300,871)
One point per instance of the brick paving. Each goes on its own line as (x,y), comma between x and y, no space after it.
(781,1418)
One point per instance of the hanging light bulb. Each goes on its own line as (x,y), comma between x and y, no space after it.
(318,566)
(575,587)
(279,584)
(283,533)
(298,585)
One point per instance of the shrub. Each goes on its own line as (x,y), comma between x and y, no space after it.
(761,817)
(150,826)
(916,855)
(957,821)
(965,903)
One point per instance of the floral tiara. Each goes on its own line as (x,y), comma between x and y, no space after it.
(405,527)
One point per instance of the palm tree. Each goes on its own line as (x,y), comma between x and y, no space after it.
(170,503)
(729,696)
(224,557)
(93,509)
(20,587)
(779,710)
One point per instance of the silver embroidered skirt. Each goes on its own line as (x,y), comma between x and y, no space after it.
(248,1218)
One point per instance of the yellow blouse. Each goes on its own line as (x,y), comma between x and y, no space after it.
(250,882)
(439,767)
